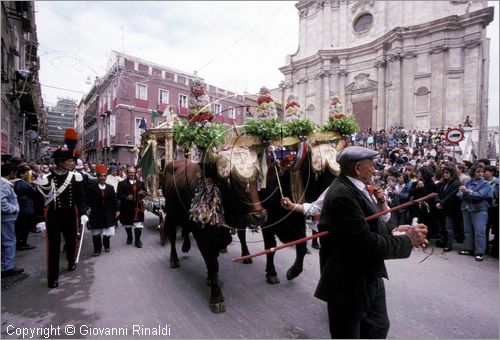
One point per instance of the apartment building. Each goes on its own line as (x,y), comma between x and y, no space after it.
(23,118)
(135,91)
(59,118)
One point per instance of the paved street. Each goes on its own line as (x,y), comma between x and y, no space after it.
(446,296)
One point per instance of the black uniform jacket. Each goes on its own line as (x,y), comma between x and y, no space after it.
(352,255)
(73,195)
(127,208)
(102,208)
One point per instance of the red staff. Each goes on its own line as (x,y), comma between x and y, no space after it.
(323,233)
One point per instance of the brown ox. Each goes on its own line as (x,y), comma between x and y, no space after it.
(240,201)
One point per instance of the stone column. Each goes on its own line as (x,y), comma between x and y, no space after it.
(472,74)
(325,103)
(438,89)
(408,90)
(394,116)
(381,113)
(301,85)
(342,81)
(302,31)
(318,98)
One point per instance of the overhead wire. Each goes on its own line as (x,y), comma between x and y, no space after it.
(62,88)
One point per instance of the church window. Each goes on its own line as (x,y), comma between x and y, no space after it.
(422,99)
(363,22)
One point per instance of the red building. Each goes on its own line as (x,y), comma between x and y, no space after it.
(132,90)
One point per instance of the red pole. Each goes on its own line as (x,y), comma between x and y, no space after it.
(323,233)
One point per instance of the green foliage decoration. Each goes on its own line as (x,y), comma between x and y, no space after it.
(300,127)
(345,125)
(267,129)
(205,136)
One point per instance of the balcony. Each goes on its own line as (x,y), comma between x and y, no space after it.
(142,103)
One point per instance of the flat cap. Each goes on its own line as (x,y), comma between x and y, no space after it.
(354,154)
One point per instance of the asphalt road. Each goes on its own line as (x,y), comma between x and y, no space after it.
(133,291)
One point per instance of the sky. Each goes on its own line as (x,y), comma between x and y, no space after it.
(237,46)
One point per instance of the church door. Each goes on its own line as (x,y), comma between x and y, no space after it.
(363,113)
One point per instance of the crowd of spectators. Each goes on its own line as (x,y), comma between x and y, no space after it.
(412,164)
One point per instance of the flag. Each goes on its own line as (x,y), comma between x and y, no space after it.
(155,114)
(147,164)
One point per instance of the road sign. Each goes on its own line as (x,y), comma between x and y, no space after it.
(30,134)
(454,136)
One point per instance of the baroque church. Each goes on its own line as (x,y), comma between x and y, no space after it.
(419,64)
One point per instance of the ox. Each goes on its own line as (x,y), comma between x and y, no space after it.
(236,182)
(316,174)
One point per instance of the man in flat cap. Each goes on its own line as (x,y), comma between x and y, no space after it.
(352,255)
(65,208)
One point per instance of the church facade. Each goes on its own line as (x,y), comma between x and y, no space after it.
(419,64)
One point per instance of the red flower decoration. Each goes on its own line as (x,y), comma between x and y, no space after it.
(201,117)
(291,104)
(335,101)
(339,116)
(264,99)
(198,92)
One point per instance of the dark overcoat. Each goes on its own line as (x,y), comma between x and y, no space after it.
(127,207)
(447,196)
(352,255)
(103,207)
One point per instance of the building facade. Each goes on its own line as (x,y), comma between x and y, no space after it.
(23,118)
(135,90)
(420,64)
(60,118)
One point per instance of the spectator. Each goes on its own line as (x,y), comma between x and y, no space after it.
(474,195)
(449,206)
(492,225)
(26,219)
(424,211)
(10,209)
(113,177)
(462,173)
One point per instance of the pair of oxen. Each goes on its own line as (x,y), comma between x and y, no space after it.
(237,169)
